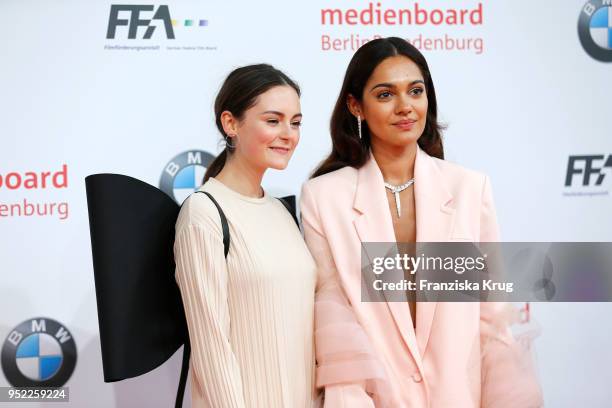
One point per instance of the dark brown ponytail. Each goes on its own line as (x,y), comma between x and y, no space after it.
(216,166)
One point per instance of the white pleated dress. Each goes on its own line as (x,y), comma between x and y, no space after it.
(250,318)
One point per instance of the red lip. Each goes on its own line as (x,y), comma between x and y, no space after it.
(280,150)
(405,124)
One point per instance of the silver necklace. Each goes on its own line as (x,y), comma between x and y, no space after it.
(396,190)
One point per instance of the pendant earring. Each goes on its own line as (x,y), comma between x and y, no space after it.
(359,126)
(228,145)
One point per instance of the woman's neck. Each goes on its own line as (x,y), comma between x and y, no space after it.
(396,163)
(241,177)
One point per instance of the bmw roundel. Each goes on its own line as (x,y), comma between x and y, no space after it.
(184,174)
(39,352)
(595,29)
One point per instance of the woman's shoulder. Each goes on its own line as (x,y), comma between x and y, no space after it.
(462,182)
(198,210)
(458,174)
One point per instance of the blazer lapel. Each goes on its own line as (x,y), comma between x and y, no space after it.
(374,224)
(434,222)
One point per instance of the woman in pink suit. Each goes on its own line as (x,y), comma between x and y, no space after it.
(384,181)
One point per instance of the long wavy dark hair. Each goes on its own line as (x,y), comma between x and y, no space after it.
(347,148)
(238,93)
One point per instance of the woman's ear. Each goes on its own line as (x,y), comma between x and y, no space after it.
(229,123)
(354,106)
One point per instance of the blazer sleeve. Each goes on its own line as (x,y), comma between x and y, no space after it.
(201,274)
(343,380)
(508,375)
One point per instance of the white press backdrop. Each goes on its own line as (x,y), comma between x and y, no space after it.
(521,99)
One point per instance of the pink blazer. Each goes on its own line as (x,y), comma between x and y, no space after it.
(462,354)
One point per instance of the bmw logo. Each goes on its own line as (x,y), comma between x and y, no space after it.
(184,174)
(595,29)
(40,352)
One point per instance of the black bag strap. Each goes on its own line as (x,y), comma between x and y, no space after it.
(180,392)
(224,224)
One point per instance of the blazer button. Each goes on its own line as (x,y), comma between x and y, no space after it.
(417,377)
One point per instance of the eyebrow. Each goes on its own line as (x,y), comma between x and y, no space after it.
(390,85)
(280,113)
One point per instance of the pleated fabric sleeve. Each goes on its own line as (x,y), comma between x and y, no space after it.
(201,274)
